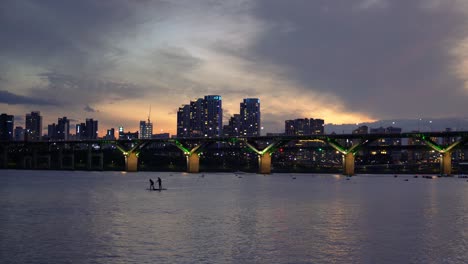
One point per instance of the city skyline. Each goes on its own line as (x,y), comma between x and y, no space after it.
(342,61)
(63,130)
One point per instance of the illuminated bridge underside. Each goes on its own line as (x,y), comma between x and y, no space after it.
(264,156)
(131,155)
(30,156)
(192,155)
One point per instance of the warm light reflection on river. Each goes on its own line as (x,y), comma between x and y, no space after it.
(110,217)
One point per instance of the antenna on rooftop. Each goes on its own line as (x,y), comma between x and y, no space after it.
(149,114)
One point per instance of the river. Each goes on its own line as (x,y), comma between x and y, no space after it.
(111,217)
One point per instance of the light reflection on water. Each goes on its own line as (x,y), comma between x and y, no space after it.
(110,217)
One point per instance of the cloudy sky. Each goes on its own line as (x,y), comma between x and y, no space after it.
(346,61)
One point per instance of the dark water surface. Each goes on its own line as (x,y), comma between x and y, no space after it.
(110,217)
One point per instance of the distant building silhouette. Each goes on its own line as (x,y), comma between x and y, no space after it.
(91,130)
(304,126)
(33,126)
(80,131)
(63,128)
(361,130)
(87,130)
(19,133)
(59,131)
(110,134)
(128,135)
(6,127)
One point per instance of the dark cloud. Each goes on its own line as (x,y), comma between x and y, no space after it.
(66,35)
(7,97)
(178,58)
(89,109)
(389,61)
(73,90)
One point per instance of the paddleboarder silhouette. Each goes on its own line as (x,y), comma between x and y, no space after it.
(159,183)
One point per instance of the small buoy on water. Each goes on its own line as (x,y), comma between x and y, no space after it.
(406,180)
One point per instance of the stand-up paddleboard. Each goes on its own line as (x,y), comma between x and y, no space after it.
(163,189)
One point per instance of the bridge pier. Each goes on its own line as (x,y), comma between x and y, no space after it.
(5,157)
(42,157)
(62,158)
(101,160)
(89,158)
(446,163)
(27,162)
(264,163)
(193,163)
(131,162)
(34,159)
(348,164)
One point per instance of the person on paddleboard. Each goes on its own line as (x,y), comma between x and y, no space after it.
(151,184)
(159,183)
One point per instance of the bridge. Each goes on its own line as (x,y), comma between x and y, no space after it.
(263,146)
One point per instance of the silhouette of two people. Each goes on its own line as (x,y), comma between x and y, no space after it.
(152,184)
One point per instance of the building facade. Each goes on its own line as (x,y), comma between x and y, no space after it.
(213,116)
(19,133)
(110,134)
(59,131)
(183,121)
(250,117)
(146,130)
(33,126)
(201,118)
(6,127)
(304,126)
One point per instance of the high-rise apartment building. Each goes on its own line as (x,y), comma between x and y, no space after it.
(110,134)
(87,130)
(146,130)
(205,117)
(59,131)
(6,127)
(33,126)
(250,117)
(183,121)
(233,128)
(213,116)
(52,131)
(196,118)
(80,131)
(91,130)
(63,128)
